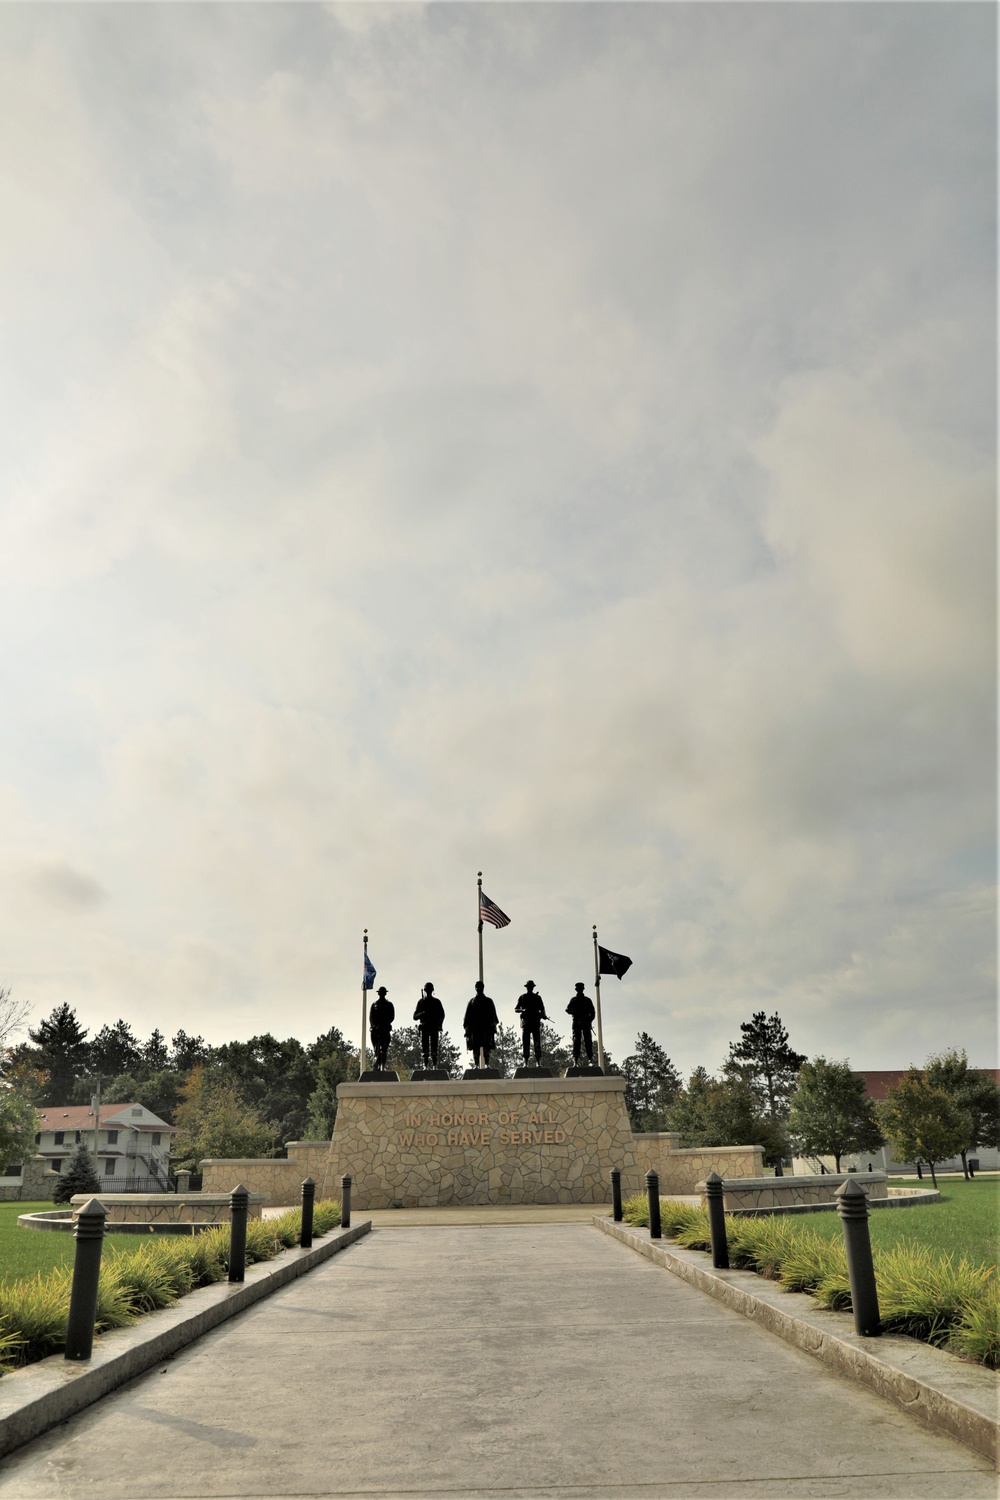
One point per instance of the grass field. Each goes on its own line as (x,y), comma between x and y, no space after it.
(965,1222)
(25,1251)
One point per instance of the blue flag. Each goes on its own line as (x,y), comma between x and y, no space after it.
(369,974)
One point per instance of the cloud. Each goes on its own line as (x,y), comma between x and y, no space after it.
(556,441)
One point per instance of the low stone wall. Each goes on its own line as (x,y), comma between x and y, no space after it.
(680,1170)
(790,1192)
(277,1180)
(36,1183)
(166,1208)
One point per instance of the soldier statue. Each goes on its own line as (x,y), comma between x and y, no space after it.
(380,1019)
(481,1022)
(581,1008)
(532,1013)
(429,1016)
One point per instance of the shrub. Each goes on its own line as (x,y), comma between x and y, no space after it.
(811,1260)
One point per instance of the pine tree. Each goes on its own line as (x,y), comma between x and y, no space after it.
(114,1050)
(764,1060)
(79,1176)
(652,1083)
(62,1051)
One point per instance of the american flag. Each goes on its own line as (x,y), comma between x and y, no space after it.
(490,912)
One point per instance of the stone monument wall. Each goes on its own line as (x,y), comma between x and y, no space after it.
(421,1145)
(783,1192)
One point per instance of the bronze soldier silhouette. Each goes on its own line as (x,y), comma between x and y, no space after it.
(481,1022)
(532,1013)
(581,1008)
(429,1016)
(380,1019)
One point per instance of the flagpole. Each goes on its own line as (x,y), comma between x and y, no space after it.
(479,914)
(480,1060)
(364,1005)
(597,989)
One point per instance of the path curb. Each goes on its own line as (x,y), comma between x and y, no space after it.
(41,1395)
(943,1392)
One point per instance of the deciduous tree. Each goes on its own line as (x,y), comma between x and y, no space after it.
(922,1123)
(19,1123)
(830,1112)
(215,1120)
(975,1093)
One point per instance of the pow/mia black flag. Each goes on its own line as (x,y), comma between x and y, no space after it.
(612,963)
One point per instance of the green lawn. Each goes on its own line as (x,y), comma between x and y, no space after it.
(965,1222)
(25,1251)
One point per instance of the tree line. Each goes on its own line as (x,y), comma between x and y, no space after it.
(251,1098)
(768,1094)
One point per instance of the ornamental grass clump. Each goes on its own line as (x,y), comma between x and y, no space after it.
(33,1313)
(928,1296)
(977,1336)
(146,1278)
(810,1261)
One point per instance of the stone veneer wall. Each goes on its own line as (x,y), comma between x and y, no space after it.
(37,1181)
(166,1208)
(278,1180)
(680,1170)
(774,1192)
(419,1145)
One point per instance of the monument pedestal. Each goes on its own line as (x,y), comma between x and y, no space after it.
(584,1070)
(480,1140)
(472,1073)
(527,1072)
(379,1075)
(423,1075)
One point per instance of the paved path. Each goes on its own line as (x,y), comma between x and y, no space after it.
(496,1363)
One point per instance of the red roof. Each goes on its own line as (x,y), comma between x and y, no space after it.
(81,1117)
(878,1084)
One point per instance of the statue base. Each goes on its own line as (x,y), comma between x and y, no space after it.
(480,1141)
(377,1075)
(527,1072)
(481,1073)
(428,1075)
(584,1070)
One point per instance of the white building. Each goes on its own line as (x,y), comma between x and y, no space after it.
(132,1149)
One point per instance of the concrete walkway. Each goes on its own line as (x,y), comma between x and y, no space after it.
(505,1361)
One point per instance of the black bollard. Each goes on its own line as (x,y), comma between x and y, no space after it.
(653,1199)
(308,1200)
(345,1202)
(717,1221)
(852,1205)
(239,1203)
(616,1194)
(89,1235)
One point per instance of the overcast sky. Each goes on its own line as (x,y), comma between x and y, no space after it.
(551,440)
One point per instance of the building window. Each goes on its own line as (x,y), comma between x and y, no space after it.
(38,1139)
(109,1166)
(156,1137)
(13,1170)
(58,1138)
(112,1137)
(56,1164)
(137,1110)
(78,1137)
